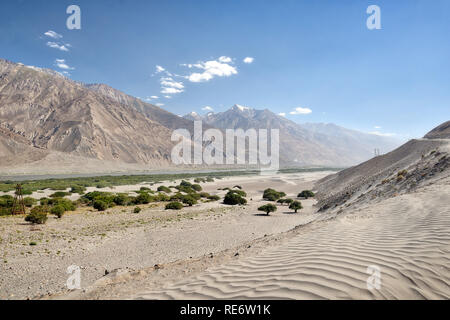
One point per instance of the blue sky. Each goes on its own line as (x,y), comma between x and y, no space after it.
(316,55)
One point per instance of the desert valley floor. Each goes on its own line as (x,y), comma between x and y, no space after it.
(216,251)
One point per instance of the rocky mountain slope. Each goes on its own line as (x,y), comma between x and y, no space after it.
(304,144)
(416,163)
(42,112)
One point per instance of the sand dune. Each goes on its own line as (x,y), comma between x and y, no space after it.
(406,237)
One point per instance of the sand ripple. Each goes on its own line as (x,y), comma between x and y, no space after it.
(407,237)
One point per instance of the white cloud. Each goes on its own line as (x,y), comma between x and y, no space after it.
(171,90)
(61,63)
(282,114)
(301,111)
(225,59)
(170,86)
(160,69)
(168,97)
(53,34)
(58,46)
(377,127)
(154,97)
(248,60)
(211,69)
(159,104)
(377,133)
(207,108)
(169,82)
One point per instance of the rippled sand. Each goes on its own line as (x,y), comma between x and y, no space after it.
(406,237)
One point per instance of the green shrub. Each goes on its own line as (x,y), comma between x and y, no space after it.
(233,198)
(121,199)
(240,193)
(268,208)
(306,194)
(197,187)
(189,200)
(164,189)
(143,198)
(214,198)
(273,195)
(296,205)
(78,189)
(57,211)
(29,202)
(59,194)
(38,215)
(100,205)
(280,201)
(174,206)
(137,210)
(288,201)
(204,194)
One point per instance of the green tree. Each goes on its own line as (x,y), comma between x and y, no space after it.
(296,205)
(268,208)
(306,194)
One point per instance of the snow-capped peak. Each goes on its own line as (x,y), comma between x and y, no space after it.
(241,108)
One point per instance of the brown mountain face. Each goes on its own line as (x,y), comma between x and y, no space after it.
(43,112)
(305,144)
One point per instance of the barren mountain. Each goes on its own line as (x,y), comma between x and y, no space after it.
(304,144)
(42,112)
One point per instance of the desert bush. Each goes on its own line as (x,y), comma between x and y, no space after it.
(209,179)
(100,205)
(306,194)
(280,201)
(176,197)
(214,198)
(199,180)
(121,199)
(189,200)
(197,187)
(288,201)
(402,173)
(29,202)
(268,208)
(137,210)
(175,205)
(162,197)
(273,195)
(204,194)
(296,205)
(59,194)
(38,215)
(164,189)
(57,211)
(78,189)
(143,198)
(233,198)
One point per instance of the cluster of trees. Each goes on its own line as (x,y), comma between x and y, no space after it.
(235,197)
(184,194)
(273,195)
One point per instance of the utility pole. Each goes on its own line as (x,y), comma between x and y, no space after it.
(18,204)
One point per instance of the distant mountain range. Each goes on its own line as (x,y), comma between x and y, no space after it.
(304,144)
(49,123)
